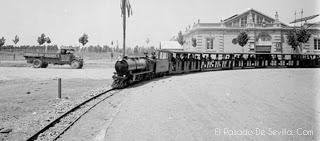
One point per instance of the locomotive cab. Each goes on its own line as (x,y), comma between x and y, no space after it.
(162,63)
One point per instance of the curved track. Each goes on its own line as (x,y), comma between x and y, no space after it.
(57,127)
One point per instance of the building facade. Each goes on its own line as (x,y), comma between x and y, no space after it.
(266,35)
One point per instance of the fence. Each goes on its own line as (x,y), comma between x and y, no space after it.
(92,52)
(11,56)
(16,53)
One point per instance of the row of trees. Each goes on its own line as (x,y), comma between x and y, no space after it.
(137,50)
(295,37)
(83,40)
(42,39)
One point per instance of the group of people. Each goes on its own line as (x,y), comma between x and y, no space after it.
(153,55)
(194,61)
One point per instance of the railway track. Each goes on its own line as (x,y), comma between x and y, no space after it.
(60,125)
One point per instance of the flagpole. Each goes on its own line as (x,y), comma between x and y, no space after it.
(124,16)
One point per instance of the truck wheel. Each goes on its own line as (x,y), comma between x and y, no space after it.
(37,63)
(44,65)
(81,65)
(75,64)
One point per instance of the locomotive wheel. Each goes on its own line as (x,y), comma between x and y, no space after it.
(123,83)
(75,64)
(120,83)
(81,65)
(115,84)
(44,65)
(37,63)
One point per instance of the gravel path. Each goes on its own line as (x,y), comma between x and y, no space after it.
(242,105)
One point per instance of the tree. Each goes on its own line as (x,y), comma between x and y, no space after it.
(2,41)
(84,39)
(125,9)
(180,38)
(242,39)
(152,49)
(298,37)
(235,41)
(42,39)
(303,35)
(48,40)
(292,40)
(147,41)
(136,50)
(16,40)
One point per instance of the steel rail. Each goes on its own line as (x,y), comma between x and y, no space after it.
(54,122)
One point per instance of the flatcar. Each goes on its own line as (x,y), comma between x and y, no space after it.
(130,70)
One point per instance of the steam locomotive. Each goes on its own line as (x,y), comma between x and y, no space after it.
(134,69)
(130,70)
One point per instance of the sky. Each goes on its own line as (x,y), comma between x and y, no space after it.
(64,21)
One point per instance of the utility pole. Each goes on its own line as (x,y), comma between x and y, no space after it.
(295,17)
(301,16)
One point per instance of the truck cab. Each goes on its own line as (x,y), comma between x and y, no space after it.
(67,55)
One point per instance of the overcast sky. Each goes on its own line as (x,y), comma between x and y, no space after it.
(65,20)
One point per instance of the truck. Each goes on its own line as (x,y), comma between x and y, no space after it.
(62,57)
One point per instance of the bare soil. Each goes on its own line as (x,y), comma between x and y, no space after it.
(222,105)
(28,96)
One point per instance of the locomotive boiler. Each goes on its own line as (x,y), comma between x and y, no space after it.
(127,65)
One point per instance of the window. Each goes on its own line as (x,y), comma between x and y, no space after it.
(243,22)
(278,47)
(253,18)
(209,43)
(259,20)
(316,43)
(163,55)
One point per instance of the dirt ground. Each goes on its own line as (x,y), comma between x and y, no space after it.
(237,105)
(28,96)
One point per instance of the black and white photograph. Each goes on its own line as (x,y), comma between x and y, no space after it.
(159,70)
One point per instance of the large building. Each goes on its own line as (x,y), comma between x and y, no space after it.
(266,34)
